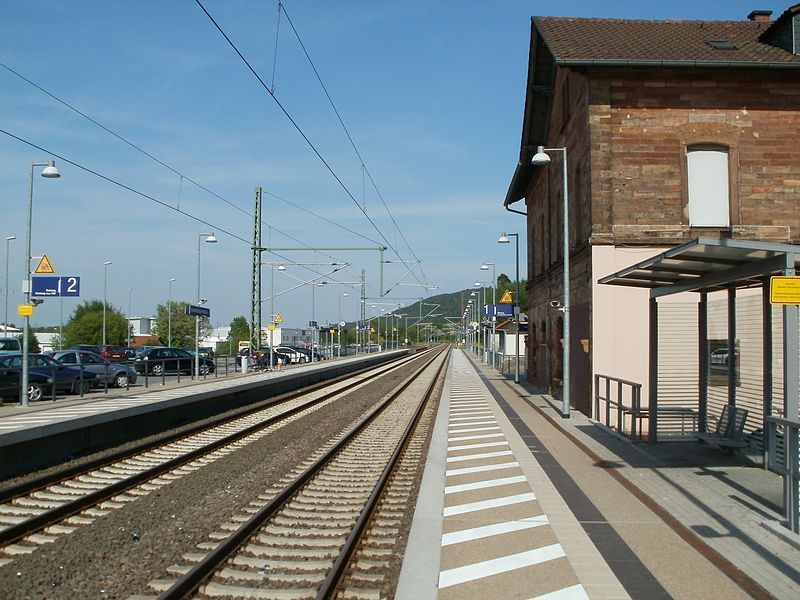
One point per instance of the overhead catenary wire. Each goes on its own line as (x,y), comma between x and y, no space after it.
(125,186)
(364,167)
(169,167)
(295,125)
(133,190)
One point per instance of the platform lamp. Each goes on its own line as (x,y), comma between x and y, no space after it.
(106,264)
(541,158)
(9,239)
(169,314)
(49,172)
(485,267)
(503,239)
(210,239)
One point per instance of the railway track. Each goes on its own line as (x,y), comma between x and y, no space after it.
(40,511)
(330,528)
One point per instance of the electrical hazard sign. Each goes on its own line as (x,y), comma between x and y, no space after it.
(44,267)
(506,299)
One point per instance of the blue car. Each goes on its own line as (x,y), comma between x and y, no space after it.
(44,373)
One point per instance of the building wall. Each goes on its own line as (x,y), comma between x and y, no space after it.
(626,132)
(641,122)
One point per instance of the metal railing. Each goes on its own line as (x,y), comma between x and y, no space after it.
(783,445)
(622,401)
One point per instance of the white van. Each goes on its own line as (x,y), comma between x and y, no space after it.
(10,345)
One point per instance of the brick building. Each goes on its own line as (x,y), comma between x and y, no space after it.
(673,130)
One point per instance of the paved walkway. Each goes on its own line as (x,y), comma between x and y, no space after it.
(617,519)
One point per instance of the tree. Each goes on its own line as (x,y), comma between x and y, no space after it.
(182,326)
(33,342)
(240,331)
(86,325)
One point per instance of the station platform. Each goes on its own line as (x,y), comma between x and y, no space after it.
(517,502)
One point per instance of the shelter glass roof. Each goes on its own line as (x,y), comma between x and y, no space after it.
(707,265)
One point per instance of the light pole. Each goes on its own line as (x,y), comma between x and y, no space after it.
(130,292)
(485,267)
(541,158)
(169,314)
(504,240)
(5,319)
(106,264)
(339,326)
(482,286)
(210,239)
(50,172)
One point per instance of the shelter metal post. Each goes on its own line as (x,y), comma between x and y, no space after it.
(732,366)
(702,331)
(791,402)
(766,366)
(652,434)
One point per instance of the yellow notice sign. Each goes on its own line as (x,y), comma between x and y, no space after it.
(278,318)
(784,289)
(271,327)
(44,266)
(506,299)
(24,310)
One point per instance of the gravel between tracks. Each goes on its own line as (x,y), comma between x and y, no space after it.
(120,553)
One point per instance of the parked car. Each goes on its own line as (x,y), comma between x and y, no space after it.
(66,379)
(295,356)
(311,355)
(157,361)
(264,359)
(114,374)
(206,351)
(130,354)
(38,385)
(10,345)
(107,351)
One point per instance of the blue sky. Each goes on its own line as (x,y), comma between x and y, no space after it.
(431,94)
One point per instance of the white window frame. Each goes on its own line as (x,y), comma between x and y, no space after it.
(708,176)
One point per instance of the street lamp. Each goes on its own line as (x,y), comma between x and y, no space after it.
(50,172)
(485,267)
(543,159)
(130,291)
(339,325)
(105,289)
(482,285)
(169,314)
(504,240)
(210,239)
(5,319)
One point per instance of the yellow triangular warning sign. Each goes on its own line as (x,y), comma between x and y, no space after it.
(278,318)
(44,266)
(506,299)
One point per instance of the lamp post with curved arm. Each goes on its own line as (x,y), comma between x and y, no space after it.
(210,239)
(541,158)
(49,172)
(485,267)
(504,240)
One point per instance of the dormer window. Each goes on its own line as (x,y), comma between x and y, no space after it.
(721,44)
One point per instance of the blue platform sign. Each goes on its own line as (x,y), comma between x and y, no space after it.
(198,311)
(498,310)
(53,287)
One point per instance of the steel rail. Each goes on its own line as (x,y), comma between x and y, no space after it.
(18,531)
(197,575)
